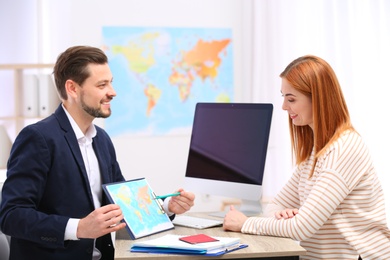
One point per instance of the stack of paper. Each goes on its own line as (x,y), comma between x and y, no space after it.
(171,244)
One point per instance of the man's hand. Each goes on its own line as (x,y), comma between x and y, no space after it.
(101,221)
(182,203)
(286,213)
(234,220)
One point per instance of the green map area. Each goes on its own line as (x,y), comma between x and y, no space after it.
(161,73)
(143,214)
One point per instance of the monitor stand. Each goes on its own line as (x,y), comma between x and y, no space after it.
(249,208)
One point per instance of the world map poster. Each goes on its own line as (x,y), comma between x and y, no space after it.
(161,73)
(142,213)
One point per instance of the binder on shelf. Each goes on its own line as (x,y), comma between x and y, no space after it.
(30,96)
(171,244)
(48,97)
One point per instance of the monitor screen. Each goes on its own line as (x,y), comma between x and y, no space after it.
(228,149)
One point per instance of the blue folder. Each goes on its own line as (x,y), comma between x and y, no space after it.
(165,250)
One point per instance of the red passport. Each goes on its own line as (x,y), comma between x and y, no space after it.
(199,238)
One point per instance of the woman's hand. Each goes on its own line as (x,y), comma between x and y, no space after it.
(234,220)
(286,213)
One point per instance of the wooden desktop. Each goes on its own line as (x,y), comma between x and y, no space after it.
(259,247)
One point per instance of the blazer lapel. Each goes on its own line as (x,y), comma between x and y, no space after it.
(102,159)
(74,147)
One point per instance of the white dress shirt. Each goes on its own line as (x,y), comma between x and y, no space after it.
(92,167)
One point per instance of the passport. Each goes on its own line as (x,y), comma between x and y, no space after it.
(199,238)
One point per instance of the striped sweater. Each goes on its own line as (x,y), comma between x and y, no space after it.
(341,208)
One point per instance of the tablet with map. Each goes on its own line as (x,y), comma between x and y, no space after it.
(143,213)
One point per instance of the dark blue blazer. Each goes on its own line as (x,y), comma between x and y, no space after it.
(47,184)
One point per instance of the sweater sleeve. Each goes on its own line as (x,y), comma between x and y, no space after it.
(319,205)
(335,175)
(288,197)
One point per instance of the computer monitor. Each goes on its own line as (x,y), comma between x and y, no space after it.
(228,150)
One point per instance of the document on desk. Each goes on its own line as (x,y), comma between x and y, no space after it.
(142,213)
(171,244)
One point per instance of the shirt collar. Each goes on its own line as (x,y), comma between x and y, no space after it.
(91,131)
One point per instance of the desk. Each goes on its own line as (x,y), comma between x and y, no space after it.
(264,247)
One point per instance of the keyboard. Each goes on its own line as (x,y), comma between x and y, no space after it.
(196,222)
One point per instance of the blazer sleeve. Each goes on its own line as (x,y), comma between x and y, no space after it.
(28,169)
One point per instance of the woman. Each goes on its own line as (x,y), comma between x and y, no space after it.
(333,203)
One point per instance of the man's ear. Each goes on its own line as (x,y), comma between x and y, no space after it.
(71,88)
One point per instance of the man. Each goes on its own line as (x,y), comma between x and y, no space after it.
(53,205)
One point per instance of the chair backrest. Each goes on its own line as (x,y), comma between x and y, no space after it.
(4,247)
(4,241)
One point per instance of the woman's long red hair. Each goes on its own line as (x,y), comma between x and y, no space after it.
(316,79)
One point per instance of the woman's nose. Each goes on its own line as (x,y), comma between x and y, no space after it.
(284,105)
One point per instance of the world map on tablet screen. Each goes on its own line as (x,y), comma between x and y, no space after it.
(142,213)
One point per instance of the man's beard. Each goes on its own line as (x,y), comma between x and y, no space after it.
(92,111)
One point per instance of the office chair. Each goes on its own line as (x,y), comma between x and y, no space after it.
(4,243)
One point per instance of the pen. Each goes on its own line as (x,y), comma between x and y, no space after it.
(167,195)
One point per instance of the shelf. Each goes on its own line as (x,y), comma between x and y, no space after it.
(10,118)
(18,69)
(25,66)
